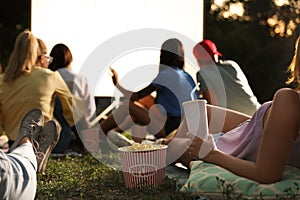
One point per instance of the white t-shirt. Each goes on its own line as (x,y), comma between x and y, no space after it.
(78,86)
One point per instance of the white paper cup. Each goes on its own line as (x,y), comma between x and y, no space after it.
(143,168)
(196,117)
(91,138)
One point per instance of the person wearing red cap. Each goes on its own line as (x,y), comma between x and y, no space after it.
(222,82)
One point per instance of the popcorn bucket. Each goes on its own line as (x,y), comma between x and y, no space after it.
(143,168)
(91,138)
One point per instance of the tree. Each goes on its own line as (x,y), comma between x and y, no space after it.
(281,16)
(263,56)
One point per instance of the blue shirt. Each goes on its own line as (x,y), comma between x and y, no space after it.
(174,87)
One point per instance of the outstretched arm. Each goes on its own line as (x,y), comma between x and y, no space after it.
(133,96)
(115,79)
(224,119)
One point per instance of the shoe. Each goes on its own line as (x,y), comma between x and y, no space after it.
(44,142)
(31,124)
(118,139)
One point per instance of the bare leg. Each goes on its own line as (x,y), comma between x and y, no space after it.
(125,125)
(138,113)
(24,140)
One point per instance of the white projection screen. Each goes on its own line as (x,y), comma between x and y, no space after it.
(124,34)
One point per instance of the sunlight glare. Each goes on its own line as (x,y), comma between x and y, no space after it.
(237,9)
(281,2)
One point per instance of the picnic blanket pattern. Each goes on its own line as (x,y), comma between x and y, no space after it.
(218,183)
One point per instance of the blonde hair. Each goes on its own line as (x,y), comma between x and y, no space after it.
(42,46)
(24,56)
(294,67)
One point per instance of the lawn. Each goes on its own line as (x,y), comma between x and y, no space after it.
(87,178)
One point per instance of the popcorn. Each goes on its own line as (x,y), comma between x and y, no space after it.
(143,147)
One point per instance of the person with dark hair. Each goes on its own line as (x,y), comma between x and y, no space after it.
(173,85)
(222,82)
(78,85)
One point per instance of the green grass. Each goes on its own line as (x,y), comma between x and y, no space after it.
(87,178)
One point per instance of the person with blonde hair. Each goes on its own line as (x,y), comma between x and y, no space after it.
(248,148)
(25,85)
(44,59)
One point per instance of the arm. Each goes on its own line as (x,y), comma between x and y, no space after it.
(115,79)
(281,125)
(219,120)
(133,96)
(224,119)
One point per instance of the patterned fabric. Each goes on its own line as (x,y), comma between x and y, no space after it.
(218,183)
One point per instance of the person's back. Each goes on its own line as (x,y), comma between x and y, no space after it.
(78,85)
(230,85)
(174,86)
(222,82)
(34,90)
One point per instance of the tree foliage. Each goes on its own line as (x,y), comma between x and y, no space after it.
(281,16)
(263,56)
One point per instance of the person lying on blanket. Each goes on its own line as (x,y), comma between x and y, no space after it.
(257,148)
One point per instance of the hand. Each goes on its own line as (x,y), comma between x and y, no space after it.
(201,148)
(114,76)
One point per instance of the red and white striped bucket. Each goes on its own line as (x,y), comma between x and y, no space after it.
(143,168)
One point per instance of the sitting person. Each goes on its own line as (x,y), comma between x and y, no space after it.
(78,86)
(26,85)
(222,82)
(173,86)
(19,166)
(258,148)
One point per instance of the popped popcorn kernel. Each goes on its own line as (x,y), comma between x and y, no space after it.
(139,147)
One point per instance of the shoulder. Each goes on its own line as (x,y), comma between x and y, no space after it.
(229,63)
(1,77)
(287,96)
(288,92)
(42,71)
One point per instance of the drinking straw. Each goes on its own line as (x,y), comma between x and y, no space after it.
(193,91)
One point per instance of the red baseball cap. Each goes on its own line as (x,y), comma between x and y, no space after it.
(205,50)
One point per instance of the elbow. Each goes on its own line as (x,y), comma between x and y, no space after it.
(265,179)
